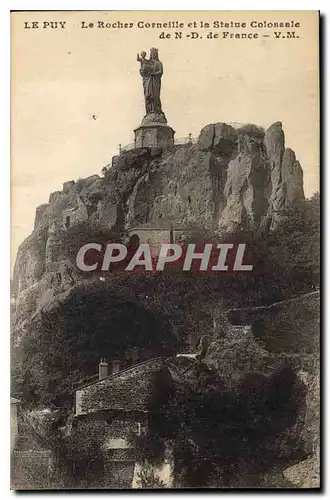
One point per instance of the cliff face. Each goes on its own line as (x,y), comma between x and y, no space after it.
(233,179)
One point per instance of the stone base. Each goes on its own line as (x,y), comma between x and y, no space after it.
(154,135)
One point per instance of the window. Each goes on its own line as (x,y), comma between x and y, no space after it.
(67,221)
(59,278)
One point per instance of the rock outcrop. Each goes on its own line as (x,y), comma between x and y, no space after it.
(285,171)
(233,179)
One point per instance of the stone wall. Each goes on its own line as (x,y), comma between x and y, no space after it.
(118,474)
(33,469)
(290,326)
(155,236)
(111,433)
(111,430)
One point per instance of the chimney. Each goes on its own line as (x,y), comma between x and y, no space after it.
(115,366)
(103,369)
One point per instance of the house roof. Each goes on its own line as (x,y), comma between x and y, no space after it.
(127,390)
(131,390)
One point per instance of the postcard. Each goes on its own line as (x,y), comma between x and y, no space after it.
(165,250)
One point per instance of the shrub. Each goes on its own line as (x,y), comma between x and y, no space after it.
(252,131)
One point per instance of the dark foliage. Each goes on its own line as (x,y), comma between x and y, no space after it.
(252,131)
(215,430)
(69,341)
(81,461)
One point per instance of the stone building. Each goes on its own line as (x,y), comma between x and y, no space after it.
(156,233)
(109,413)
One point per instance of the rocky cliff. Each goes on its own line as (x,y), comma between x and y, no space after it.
(232,179)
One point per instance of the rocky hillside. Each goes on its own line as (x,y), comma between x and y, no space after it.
(232,179)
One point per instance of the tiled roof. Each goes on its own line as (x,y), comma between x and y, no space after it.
(127,390)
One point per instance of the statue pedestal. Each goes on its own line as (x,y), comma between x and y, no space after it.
(154,133)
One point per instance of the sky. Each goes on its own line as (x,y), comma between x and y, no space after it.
(77,92)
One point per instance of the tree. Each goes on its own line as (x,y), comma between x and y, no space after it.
(218,430)
(67,341)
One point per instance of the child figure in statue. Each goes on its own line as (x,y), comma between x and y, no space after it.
(145,63)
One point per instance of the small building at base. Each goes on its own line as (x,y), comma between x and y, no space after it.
(109,414)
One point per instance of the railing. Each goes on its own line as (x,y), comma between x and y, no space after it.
(177,142)
(189,139)
(185,140)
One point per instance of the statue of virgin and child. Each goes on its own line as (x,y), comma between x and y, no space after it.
(151,71)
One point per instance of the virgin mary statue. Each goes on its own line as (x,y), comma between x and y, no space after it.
(151,71)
